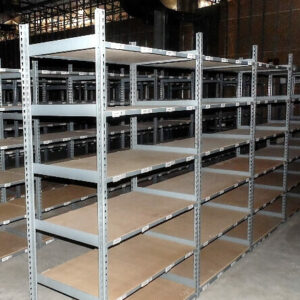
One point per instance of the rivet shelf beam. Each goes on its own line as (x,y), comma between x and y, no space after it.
(99,110)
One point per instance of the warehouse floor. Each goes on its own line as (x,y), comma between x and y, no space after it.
(275,263)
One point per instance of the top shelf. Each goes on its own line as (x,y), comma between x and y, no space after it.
(83,49)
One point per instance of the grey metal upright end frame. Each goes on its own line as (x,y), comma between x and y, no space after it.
(198,160)
(28,158)
(101,158)
(101,150)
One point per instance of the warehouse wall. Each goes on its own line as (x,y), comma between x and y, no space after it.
(271,24)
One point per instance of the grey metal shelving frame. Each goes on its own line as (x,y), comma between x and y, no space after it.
(99,177)
(101,112)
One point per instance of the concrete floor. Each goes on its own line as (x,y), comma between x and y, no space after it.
(271,271)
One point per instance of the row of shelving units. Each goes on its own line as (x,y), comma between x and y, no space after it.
(182,177)
(173,236)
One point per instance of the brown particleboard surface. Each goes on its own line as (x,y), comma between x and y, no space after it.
(239,197)
(292,205)
(11,244)
(60,195)
(262,225)
(9,211)
(209,144)
(214,258)
(124,161)
(129,264)
(10,177)
(214,221)
(126,214)
(276,179)
(242,164)
(162,289)
(211,183)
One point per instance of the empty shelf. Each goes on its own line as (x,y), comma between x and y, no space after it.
(294,142)
(276,179)
(295,166)
(162,289)
(62,196)
(292,206)
(10,245)
(259,133)
(277,152)
(124,163)
(210,144)
(262,225)
(128,214)
(129,265)
(241,164)
(215,221)
(10,108)
(8,178)
(239,197)
(10,212)
(212,184)
(293,126)
(214,258)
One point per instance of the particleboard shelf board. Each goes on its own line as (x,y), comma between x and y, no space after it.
(262,225)
(214,221)
(214,258)
(211,183)
(129,264)
(11,244)
(127,214)
(239,197)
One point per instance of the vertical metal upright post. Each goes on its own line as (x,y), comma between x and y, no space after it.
(101,103)
(28,158)
(2,156)
(36,138)
(269,107)
(162,86)
(44,92)
(286,137)
(270,94)
(239,94)
(122,87)
(133,120)
(15,102)
(85,88)
(198,159)
(2,135)
(1,95)
(155,85)
(252,144)
(70,94)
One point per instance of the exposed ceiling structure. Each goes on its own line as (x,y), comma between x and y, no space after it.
(47,16)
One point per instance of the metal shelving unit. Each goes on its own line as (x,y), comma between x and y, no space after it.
(135,162)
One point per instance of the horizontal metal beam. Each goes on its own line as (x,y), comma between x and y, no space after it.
(188,197)
(63,288)
(226,172)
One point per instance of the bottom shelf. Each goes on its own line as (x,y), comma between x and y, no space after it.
(262,226)
(215,258)
(11,245)
(163,289)
(292,206)
(130,265)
